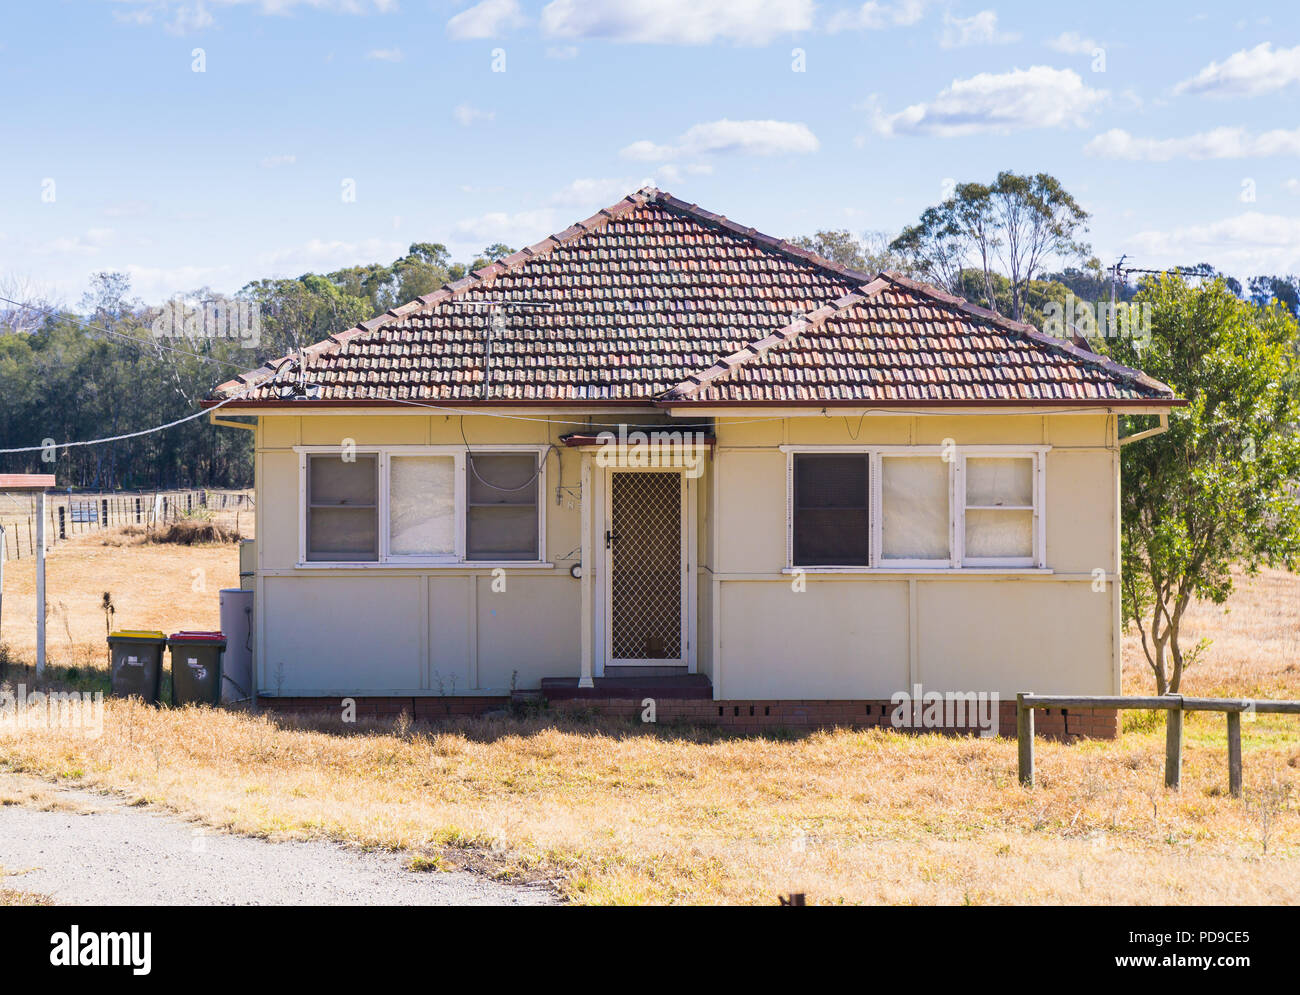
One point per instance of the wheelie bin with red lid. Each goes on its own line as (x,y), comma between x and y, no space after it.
(196,667)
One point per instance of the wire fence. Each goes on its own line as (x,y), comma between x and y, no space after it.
(70,515)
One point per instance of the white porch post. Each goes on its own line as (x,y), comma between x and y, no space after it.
(40,582)
(588,565)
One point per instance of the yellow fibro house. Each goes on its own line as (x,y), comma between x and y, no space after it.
(661,457)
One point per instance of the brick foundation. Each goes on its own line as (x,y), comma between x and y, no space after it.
(762,716)
(739,716)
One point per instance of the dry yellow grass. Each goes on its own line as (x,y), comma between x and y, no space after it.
(154,586)
(613,813)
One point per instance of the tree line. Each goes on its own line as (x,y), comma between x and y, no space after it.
(1014,246)
(99,370)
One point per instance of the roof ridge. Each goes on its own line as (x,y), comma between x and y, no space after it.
(451,289)
(725,365)
(484,274)
(1029,331)
(767,241)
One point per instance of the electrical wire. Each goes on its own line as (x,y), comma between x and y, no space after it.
(487,483)
(127,435)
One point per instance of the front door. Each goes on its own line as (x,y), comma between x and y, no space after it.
(646,557)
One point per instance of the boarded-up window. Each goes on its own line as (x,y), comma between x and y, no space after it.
(831,500)
(343,508)
(501,513)
(1000,508)
(915,518)
(422,506)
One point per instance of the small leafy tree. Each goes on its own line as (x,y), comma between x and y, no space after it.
(870,253)
(1220,488)
(1018,221)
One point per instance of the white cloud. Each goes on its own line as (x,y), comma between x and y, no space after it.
(190,17)
(677,22)
(271,161)
(129,209)
(595,193)
(1244,244)
(1073,43)
(385,54)
(1292,185)
(155,284)
(521,228)
(489,19)
(1247,73)
(999,103)
(1220,143)
(322,255)
(466,115)
(725,136)
(978,29)
(646,151)
(875,16)
(87,244)
(138,15)
(194,15)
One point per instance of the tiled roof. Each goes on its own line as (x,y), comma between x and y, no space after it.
(639,302)
(898,340)
(638,297)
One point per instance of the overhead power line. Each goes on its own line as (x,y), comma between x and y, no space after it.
(132,435)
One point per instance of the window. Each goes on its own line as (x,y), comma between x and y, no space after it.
(916,507)
(423,506)
(915,523)
(999,513)
(831,525)
(342,508)
(501,519)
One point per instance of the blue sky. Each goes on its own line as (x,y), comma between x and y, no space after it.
(1175,125)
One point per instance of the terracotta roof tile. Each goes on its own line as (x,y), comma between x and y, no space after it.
(654,299)
(898,339)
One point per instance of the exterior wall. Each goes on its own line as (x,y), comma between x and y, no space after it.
(868,635)
(853,637)
(399,630)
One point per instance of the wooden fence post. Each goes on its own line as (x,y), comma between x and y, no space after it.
(1025,740)
(1234,754)
(1174,747)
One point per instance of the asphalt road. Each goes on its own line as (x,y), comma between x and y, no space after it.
(80,848)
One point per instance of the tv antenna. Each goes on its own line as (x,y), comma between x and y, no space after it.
(496,326)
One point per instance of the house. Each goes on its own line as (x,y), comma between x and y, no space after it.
(660,454)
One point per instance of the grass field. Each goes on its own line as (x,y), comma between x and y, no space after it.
(615,813)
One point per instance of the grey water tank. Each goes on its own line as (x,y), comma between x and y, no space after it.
(237,624)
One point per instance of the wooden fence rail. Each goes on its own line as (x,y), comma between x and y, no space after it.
(1174,705)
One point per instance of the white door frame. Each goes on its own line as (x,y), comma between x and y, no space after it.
(687,517)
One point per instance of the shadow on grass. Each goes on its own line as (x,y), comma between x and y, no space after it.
(527,722)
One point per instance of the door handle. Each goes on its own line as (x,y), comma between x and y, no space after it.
(611,537)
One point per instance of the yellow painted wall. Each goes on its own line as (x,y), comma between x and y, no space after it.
(851,635)
(369,630)
(389,630)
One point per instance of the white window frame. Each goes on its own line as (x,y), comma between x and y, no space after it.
(1037,558)
(957,560)
(388,559)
